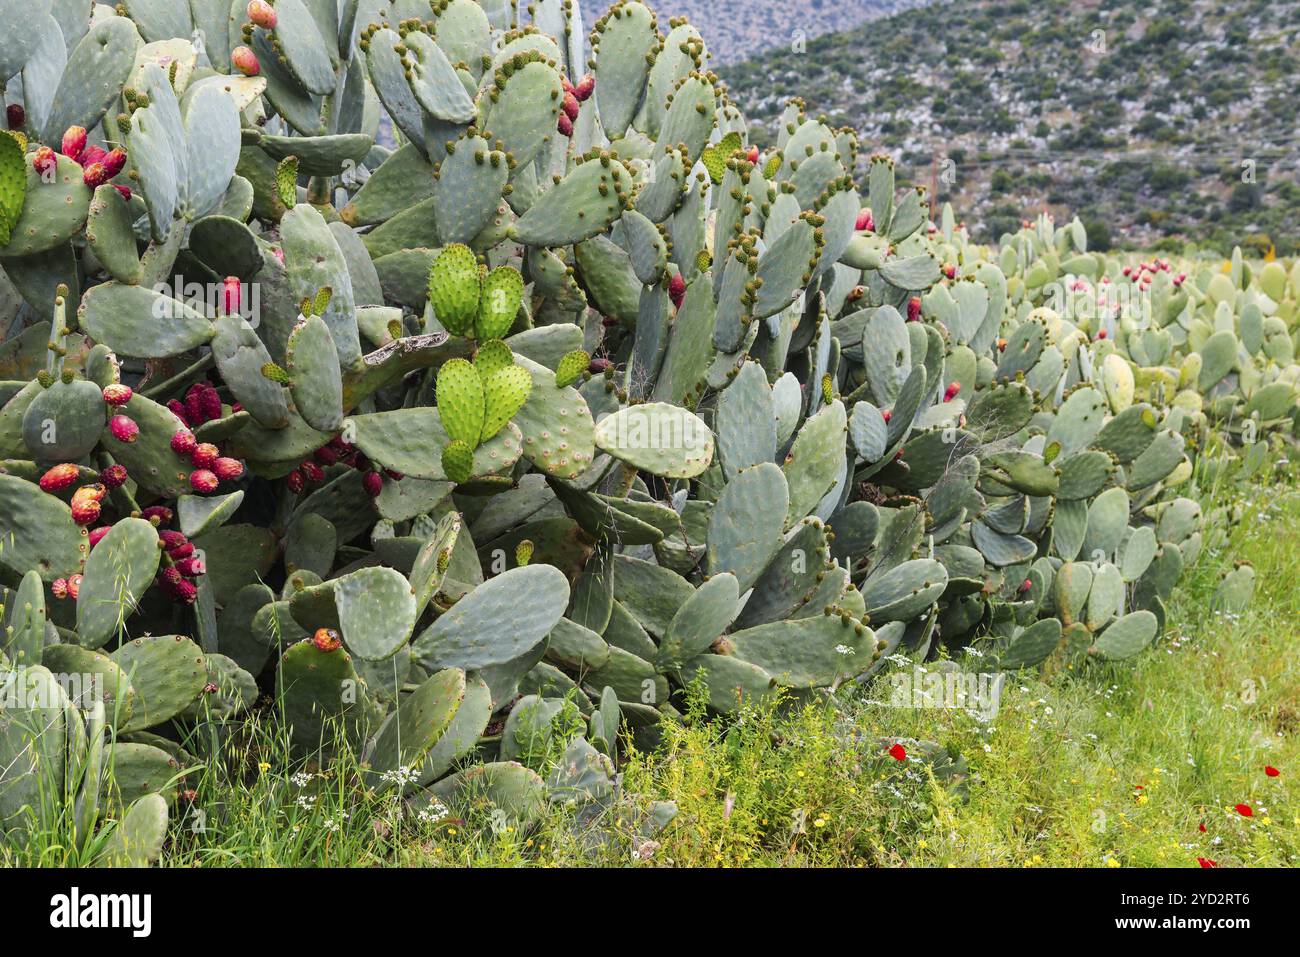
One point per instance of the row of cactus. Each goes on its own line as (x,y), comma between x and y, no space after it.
(572,401)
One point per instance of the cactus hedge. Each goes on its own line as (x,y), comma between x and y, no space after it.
(569,402)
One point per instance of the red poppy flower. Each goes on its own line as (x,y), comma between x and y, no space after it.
(1201,827)
(898,752)
(1271,771)
(1245,810)
(1206,862)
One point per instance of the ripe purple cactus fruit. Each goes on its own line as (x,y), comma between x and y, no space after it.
(203,481)
(373,483)
(16,115)
(584,87)
(677,290)
(123,428)
(74,142)
(45,162)
(117,394)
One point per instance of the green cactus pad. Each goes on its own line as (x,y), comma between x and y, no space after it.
(313,261)
(97,69)
(63,423)
(139,322)
(376,609)
(815,460)
(503,293)
(904,592)
(118,572)
(455,288)
(137,841)
(166,672)
(746,524)
(109,234)
(1127,636)
(622,44)
(585,203)
(461,401)
(505,393)
(38,533)
(467,192)
(558,432)
(321,696)
(573,646)
(699,622)
(240,356)
(53,212)
(659,438)
(313,365)
(807,653)
(498,621)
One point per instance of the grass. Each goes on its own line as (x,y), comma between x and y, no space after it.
(1103,765)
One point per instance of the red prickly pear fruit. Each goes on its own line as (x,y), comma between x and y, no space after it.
(95,175)
(261,14)
(373,483)
(914,309)
(74,586)
(181,551)
(210,403)
(16,115)
(312,472)
(60,477)
(123,429)
(170,577)
(584,87)
(245,61)
(191,567)
(950,393)
(193,410)
(183,442)
(203,481)
(949,270)
(326,640)
(74,142)
(178,409)
(598,366)
(677,290)
(228,469)
(172,539)
(185,593)
(231,295)
(59,588)
(45,162)
(117,394)
(157,515)
(85,511)
(571,106)
(93,154)
(97,535)
(886,414)
(752,155)
(325,455)
(1002,345)
(565,125)
(204,454)
(1101,335)
(296,482)
(865,222)
(113,477)
(1025,586)
(114,162)
(124,192)
(393,474)
(564,82)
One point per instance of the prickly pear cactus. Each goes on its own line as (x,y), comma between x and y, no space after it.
(570,393)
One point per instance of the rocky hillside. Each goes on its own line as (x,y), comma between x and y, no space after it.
(736,29)
(1157,122)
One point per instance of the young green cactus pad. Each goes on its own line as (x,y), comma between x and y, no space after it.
(421,442)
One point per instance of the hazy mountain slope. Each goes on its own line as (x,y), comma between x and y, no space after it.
(1150,119)
(736,29)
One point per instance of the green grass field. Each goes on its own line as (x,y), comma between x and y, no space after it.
(1126,765)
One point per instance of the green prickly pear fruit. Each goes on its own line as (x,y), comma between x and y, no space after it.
(571,367)
(454,289)
(503,293)
(461,402)
(458,461)
(504,395)
(524,552)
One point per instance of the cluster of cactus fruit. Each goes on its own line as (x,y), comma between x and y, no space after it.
(570,402)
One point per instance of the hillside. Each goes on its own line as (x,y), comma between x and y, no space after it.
(736,29)
(1156,121)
